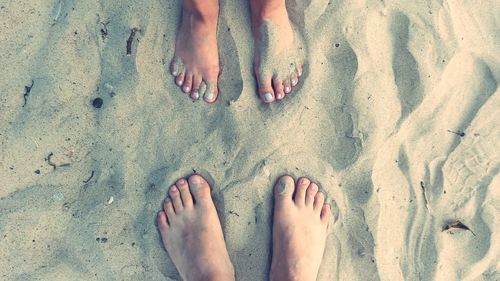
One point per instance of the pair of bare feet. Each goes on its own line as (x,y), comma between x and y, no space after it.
(192,235)
(277,58)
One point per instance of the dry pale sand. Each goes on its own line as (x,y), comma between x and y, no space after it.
(397,117)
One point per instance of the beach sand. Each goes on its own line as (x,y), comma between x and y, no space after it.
(396,117)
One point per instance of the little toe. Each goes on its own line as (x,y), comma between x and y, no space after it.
(162,221)
(179,80)
(325,213)
(299,69)
(266,92)
(200,189)
(188,82)
(319,200)
(287,86)
(311,193)
(175,196)
(284,189)
(187,199)
(211,93)
(169,209)
(300,191)
(278,89)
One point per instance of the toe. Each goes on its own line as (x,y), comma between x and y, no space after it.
(175,196)
(319,200)
(266,92)
(162,221)
(169,209)
(188,82)
(179,80)
(187,199)
(287,86)
(195,92)
(299,69)
(300,191)
(325,214)
(211,92)
(294,79)
(200,189)
(311,193)
(278,89)
(284,188)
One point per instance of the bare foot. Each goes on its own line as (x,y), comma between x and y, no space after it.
(278,56)
(299,230)
(191,232)
(196,61)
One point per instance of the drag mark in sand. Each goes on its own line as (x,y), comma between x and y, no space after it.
(425,196)
(130,40)
(27,90)
(457,225)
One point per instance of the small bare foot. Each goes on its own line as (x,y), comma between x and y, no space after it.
(277,51)
(299,230)
(195,65)
(191,232)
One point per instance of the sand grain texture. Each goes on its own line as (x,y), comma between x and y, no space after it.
(396,117)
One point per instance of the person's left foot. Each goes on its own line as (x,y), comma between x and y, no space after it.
(191,232)
(277,52)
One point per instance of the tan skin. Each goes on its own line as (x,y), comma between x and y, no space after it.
(195,66)
(192,235)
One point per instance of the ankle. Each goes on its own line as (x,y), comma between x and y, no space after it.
(201,10)
(262,9)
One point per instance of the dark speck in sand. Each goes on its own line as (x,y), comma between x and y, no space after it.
(337,45)
(37,172)
(101,239)
(97,103)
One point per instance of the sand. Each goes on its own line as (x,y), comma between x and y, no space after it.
(396,116)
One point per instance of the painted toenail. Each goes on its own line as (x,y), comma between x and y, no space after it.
(186,89)
(294,82)
(279,96)
(208,96)
(174,73)
(179,82)
(268,97)
(196,95)
(287,89)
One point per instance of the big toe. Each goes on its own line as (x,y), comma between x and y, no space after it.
(200,189)
(284,189)
(266,92)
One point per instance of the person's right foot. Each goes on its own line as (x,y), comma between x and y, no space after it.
(195,65)
(299,230)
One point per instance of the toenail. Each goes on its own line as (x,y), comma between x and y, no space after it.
(174,189)
(186,89)
(174,73)
(287,89)
(314,188)
(279,96)
(182,181)
(294,82)
(195,180)
(284,185)
(179,82)
(208,96)
(196,95)
(268,97)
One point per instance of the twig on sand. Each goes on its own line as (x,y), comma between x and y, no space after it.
(130,39)
(457,225)
(50,161)
(425,196)
(91,176)
(27,90)
(458,133)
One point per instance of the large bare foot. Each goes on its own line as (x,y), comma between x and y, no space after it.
(191,232)
(277,51)
(299,230)
(196,61)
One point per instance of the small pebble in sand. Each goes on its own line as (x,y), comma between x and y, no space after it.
(37,172)
(97,103)
(110,200)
